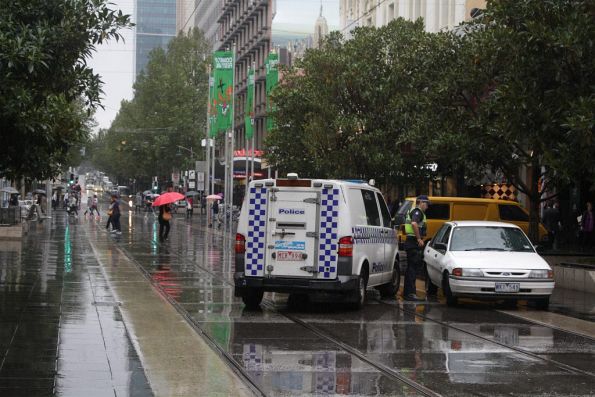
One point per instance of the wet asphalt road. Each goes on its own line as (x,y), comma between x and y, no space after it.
(388,348)
(328,349)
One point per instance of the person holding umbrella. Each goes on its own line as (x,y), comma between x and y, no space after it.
(164,217)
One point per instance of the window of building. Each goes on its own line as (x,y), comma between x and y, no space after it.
(391,12)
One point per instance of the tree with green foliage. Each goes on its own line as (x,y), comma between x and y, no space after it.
(533,119)
(47,90)
(355,97)
(168,110)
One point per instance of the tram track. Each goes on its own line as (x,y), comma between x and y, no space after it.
(508,346)
(271,306)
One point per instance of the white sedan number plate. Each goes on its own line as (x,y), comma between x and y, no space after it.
(289,256)
(507,287)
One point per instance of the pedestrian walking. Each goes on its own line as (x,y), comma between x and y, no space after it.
(164,218)
(110,212)
(415,228)
(587,227)
(55,200)
(551,221)
(89,206)
(115,214)
(215,209)
(203,204)
(72,206)
(95,205)
(189,209)
(138,202)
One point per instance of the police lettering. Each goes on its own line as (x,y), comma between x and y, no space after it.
(291,211)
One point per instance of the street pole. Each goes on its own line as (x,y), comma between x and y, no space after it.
(208,149)
(254,127)
(233,116)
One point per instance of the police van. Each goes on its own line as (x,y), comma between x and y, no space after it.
(315,236)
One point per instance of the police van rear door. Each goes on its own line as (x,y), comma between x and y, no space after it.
(292,231)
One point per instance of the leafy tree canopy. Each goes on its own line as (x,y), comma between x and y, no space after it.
(47,90)
(348,109)
(168,110)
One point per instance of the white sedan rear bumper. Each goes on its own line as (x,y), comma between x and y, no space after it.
(463,286)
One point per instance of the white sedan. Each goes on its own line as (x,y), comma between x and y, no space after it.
(486,260)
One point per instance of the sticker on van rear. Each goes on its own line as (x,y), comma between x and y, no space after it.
(290,245)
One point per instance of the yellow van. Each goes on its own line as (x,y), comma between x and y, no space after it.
(443,209)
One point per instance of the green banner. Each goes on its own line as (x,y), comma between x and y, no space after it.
(272,78)
(223,90)
(249,110)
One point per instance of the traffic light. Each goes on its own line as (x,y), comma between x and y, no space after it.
(71,179)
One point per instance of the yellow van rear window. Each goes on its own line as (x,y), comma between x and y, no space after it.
(469,212)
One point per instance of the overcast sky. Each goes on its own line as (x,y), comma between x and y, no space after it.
(114,62)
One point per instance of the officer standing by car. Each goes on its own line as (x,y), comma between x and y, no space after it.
(415,228)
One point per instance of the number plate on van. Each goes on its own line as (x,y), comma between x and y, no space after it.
(507,287)
(289,256)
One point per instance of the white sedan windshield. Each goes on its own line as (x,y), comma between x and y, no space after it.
(489,238)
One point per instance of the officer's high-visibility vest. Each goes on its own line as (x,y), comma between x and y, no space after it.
(409,227)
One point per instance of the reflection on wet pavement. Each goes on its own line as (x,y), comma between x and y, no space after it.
(578,304)
(282,357)
(60,327)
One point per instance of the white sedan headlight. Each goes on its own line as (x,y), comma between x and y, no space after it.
(542,273)
(472,273)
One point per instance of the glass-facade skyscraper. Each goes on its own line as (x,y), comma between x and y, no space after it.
(155,27)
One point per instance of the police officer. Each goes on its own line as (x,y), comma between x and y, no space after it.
(415,228)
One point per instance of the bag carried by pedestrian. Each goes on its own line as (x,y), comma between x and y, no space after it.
(166,216)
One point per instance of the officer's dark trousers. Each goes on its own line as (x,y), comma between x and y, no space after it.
(414,264)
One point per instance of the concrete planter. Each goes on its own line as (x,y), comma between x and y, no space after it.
(575,276)
(14,232)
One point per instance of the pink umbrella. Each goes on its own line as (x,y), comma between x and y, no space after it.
(167,198)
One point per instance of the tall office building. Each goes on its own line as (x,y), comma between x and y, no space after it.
(155,27)
(185,14)
(247,24)
(206,16)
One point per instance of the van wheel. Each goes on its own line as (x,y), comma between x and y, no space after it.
(389,290)
(431,288)
(360,292)
(451,300)
(252,298)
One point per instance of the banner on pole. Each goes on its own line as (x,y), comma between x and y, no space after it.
(222,100)
(249,110)
(272,78)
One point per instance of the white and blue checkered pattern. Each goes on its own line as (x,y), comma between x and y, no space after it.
(257,220)
(325,383)
(373,235)
(328,238)
(252,357)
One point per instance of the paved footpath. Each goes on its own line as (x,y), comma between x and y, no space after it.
(77,318)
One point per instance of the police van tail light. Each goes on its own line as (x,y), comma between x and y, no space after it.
(346,246)
(240,246)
